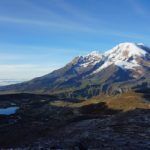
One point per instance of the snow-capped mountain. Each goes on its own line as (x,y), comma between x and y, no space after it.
(124,67)
(126,56)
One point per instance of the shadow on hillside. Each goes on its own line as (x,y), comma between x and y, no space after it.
(98,109)
(145,92)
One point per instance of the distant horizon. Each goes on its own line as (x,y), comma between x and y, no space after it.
(38,37)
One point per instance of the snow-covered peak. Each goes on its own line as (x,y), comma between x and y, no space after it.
(126,50)
(125,56)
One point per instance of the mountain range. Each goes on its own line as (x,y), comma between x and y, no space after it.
(125,67)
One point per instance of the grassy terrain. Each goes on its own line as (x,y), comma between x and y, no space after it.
(124,102)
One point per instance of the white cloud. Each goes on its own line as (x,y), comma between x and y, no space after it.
(71,26)
(48,24)
(24,71)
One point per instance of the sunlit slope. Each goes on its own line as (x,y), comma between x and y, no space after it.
(124,102)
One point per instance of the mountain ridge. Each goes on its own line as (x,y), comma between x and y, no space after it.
(124,67)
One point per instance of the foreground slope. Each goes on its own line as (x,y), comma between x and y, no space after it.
(105,122)
(123,68)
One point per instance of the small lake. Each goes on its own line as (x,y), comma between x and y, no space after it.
(8,110)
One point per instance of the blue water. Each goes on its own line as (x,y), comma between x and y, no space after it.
(8,110)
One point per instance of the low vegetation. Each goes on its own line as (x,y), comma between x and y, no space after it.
(124,102)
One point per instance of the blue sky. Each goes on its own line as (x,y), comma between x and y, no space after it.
(38,36)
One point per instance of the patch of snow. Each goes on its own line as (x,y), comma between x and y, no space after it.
(140,44)
(89,63)
(126,65)
(94,54)
(103,66)
(90,59)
